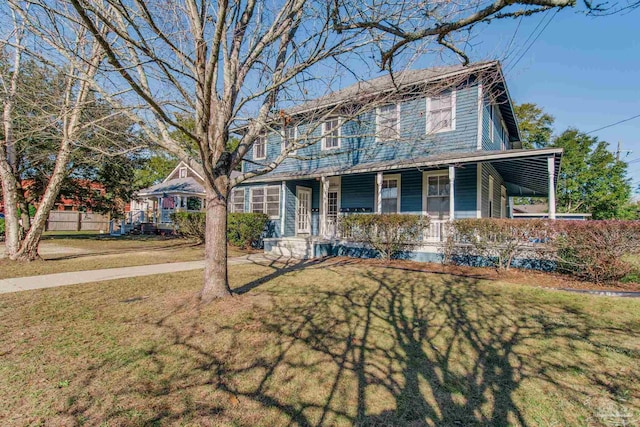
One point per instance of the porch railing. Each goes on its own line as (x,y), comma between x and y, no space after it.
(435,232)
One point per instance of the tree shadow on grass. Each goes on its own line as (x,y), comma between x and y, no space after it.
(375,348)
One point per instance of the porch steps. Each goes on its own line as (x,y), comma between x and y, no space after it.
(294,247)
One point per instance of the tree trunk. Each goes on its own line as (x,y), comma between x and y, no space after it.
(216,281)
(10,201)
(29,248)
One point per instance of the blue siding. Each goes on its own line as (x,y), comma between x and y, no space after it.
(358,191)
(358,145)
(496,124)
(466,198)
(290,210)
(489,170)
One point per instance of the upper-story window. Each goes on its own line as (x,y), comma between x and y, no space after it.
(492,123)
(441,112)
(260,148)
(183,172)
(387,122)
(331,132)
(289,137)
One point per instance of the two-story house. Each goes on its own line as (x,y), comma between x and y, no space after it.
(441,142)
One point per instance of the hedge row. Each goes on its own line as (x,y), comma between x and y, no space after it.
(389,234)
(599,251)
(243,229)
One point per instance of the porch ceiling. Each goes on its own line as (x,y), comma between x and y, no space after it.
(524,171)
(527,176)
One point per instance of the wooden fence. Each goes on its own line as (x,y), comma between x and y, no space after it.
(77,221)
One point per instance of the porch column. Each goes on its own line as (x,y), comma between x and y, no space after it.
(159,211)
(452,178)
(324,205)
(552,188)
(379,193)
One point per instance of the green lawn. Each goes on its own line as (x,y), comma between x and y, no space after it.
(65,253)
(334,343)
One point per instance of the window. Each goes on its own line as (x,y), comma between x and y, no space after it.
(437,195)
(289,137)
(387,123)
(331,132)
(491,196)
(237,200)
(441,112)
(390,194)
(491,123)
(266,200)
(183,172)
(260,148)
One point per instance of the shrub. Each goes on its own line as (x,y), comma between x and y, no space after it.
(245,229)
(190,224)
(498,241)
(389,234)
(597,250)
(1,229)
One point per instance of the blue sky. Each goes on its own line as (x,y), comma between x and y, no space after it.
(584,71)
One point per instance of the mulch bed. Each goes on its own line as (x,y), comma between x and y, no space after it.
(516,276)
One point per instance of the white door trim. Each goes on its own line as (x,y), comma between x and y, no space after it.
(306,192)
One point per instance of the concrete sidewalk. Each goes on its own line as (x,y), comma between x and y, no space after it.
(18,284)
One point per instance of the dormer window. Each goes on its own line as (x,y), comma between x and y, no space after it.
(388,123)
(260,148)
(183,172)
(441,113)
(331,132)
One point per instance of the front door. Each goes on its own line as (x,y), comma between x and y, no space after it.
(303,210)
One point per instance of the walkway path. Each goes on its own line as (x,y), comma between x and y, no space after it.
(89,276)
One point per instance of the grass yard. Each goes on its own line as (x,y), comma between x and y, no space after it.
(64,252)
(331,343)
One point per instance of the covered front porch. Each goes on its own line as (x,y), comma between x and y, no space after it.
(467,185)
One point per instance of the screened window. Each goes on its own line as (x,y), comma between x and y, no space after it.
(237,200)
(289,137)
(260,148)
(390,194)
(331,132)
(387,123)
(438,193)
(266,200)
(441,112)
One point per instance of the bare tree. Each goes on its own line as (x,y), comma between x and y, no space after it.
(235,65)
(69,113)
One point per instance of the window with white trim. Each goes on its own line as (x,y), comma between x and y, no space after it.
(491,123)
(438,195)
(388,122)
(390,193)
(260,148)
(237,200)
(289,137)
(182,172)
(331,132)
(491,197)
(441,112)
(266,200)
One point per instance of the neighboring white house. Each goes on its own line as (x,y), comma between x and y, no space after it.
(182,190)
(541,211)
